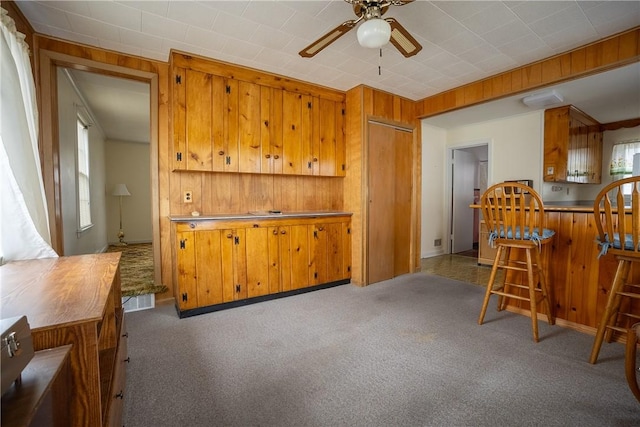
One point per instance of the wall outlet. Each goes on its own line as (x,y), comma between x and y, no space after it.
(556,188)
(188,197)
(437,242)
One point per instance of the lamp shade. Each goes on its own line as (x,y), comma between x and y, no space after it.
(120,190)
(374,33)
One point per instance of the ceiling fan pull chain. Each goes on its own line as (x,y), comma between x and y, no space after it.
(380,63)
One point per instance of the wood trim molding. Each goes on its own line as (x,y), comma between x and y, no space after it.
(606,54)
(631,123)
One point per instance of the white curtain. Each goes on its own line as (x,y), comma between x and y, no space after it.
(24,224)
(622,158)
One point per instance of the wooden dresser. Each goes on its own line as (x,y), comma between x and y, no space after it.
(76,300)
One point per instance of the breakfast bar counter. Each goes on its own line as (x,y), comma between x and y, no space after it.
(580,281)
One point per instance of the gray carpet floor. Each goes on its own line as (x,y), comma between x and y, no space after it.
(405,352)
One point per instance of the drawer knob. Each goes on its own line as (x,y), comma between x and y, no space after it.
(128,359)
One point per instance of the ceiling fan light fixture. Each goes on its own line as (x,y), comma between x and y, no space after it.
(374,33)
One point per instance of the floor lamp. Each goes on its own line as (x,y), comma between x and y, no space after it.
(121,190)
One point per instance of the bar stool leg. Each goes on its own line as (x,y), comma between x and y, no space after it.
(502,300)
(532,296)
(492,277)
(611,309)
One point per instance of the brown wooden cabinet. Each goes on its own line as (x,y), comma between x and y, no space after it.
(226,261)
(572,146)
(227,124)
(79,302)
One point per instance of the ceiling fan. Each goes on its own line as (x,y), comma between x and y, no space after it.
(374,32)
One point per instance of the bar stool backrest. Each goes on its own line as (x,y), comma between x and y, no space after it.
(617,215)
(512,210)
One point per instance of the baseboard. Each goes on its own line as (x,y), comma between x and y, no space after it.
(431,254)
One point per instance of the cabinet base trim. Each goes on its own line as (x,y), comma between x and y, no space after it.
(217,307)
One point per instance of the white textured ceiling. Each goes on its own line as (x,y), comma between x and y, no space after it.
(463,41)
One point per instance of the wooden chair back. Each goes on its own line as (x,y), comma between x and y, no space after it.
(514,211)
(617,216)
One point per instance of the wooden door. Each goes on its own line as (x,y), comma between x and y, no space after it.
(198,90)
(292,133)
(234,269)
(310,135)
(249,141)
(257,261)
(335,252)
(328,112)
(230,125)
(403,190)
(389,195)
(299,251)
(271,130)
(187,289)
(209,267)
(318,248)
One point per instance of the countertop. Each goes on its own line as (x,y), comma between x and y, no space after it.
(585,206)
(258,215)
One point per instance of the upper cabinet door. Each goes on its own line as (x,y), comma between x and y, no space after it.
(328,125)
(199,112)
(249,139)
(271,129)
(292,133)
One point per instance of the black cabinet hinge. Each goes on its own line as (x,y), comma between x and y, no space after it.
(179,157)
(343,112)
(344,167)
(236,240)
(309,105)
(315,234)
(349,269)
(315,275)
(238,289)
(182,244)
(184,297)
(227,160)
(178,79)
(348,230)
(228,89)
(309,165)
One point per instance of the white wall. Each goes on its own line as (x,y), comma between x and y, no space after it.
(94,239)
(129,163)
(515,152)
(433,190)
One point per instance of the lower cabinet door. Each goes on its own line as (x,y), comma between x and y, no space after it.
(119,377)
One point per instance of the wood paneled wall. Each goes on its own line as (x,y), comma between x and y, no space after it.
(363,104)
(602,55)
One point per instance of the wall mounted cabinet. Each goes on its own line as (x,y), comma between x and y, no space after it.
(572,146)
(224,262)
(244,124)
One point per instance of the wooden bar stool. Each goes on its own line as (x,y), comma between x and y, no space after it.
(618,225)
(515,219)
(630,361)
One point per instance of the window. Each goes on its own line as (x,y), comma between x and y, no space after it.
(622,162)
(622,158)
(84,193)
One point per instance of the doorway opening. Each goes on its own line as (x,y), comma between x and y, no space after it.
(50,62)
(468,177)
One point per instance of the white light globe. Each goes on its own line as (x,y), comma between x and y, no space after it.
(374,33)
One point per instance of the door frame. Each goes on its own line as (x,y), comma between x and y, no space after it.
(488,142)
(49,62)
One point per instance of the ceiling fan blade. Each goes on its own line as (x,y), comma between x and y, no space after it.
(328,38)
(402,40)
